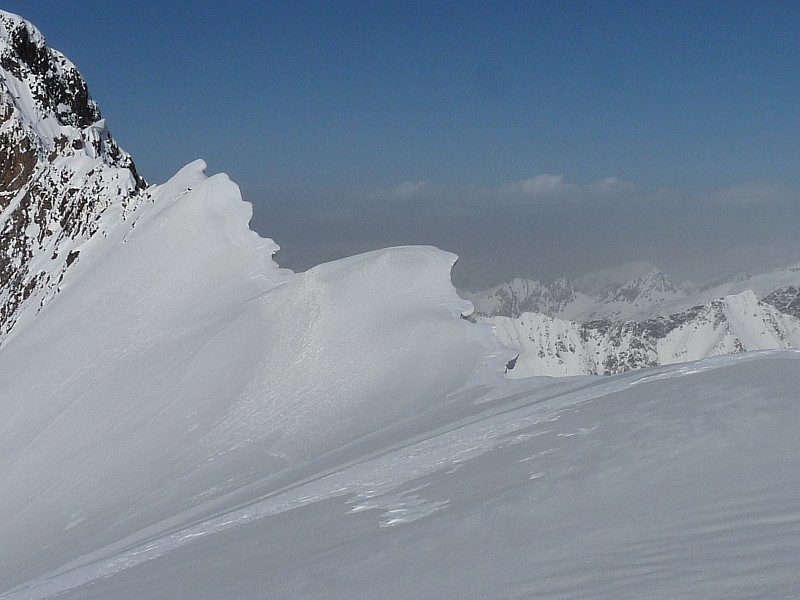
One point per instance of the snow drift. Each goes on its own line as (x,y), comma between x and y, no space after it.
(178,355)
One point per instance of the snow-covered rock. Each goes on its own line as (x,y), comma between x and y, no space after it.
(581,300)
(557,347)
(63,179)
(786,300)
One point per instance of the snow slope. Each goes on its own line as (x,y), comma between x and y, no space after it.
(178,355)
(676,482)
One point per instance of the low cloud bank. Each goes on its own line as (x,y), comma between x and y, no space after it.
(542,227)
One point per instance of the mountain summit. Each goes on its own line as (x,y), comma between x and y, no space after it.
(63,178)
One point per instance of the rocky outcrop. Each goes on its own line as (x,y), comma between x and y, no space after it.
(62,175)
(786,300)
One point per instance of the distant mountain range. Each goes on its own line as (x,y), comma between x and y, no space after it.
(634,316)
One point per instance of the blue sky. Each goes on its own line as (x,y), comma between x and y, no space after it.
(319,103)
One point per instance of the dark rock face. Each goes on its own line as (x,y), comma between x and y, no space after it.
(786,300)
(59,87)
(60,170)
(17,160)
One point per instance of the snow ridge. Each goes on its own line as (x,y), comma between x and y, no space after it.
(153,353)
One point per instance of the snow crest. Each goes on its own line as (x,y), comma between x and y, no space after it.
(178,353)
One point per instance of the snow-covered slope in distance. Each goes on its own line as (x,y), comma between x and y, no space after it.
(557,347)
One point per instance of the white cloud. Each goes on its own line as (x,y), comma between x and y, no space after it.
(546,185)
(541,185)
(614,186)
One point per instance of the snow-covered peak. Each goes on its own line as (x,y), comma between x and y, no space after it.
(607,294)
(44,95)
(63,178)
(618,275)
(653,287)
(45,84)
(524,295)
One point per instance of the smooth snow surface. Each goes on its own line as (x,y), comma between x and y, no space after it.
(676,482)
(179,361)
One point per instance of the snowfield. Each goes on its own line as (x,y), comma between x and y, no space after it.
(677,482)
